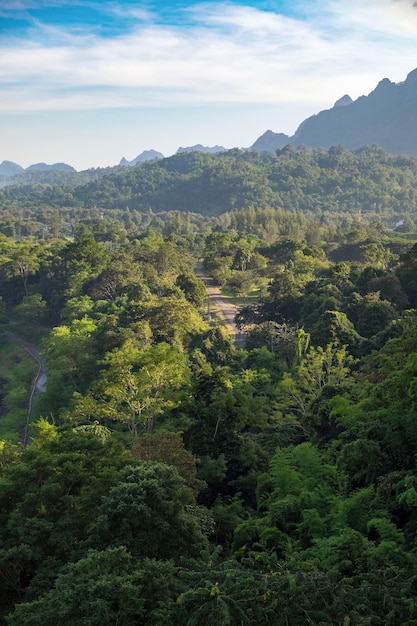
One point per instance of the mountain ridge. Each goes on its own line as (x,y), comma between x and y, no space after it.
(10,168)
(386,117)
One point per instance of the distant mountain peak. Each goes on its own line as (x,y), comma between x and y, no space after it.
(385,117)
(412,77)
(146,155)
(200,148)
(343,101)
(62,167)
(8,168)
(270,141)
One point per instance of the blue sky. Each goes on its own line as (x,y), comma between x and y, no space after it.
(90,81)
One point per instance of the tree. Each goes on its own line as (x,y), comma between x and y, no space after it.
(216,591)
(288,342)
(214,345)
(374,315)
(70,359)
(72,267)
(3,315)
(407,273)
(376,254)
(31,310)
(136,386)
(319,367)
(168,447)
(335,326)
(146,511)
(104,588)
(48,499)
(194,289)
(24,262)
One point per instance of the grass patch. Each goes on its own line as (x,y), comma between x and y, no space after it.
(240,301)
(216,319)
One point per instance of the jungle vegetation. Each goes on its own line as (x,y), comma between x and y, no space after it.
(173,478)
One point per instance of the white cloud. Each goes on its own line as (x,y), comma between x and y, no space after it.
(379,18)
(229,54)
(15,6)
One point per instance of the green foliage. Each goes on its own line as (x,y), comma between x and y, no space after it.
(193,288)
(295,455)
(134,387)
(17,373)
(70,362)
(216,591)
(213,346)
(319,367)
(76,262)
(31,310)
(298,179)
(374,315)
(146,512)
(335,326)
(71,491)
(105,587)
(407,272)
(168,447)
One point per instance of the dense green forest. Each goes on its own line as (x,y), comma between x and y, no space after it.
(368,180)
(171,477)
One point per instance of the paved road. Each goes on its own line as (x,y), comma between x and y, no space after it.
(39,384)
(226,309)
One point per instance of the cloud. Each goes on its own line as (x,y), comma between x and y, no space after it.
(15,6)
(379,18)
(227,53)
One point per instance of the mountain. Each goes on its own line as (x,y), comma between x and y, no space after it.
(269,142)
(8,168)
(14,174)
(333,180)
(387,117)
(343,101)
(146,155)
(44,167)
(200,148)
(35,175)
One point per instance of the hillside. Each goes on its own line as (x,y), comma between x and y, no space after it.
(368,180)
(54,177)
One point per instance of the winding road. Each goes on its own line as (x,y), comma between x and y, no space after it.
(226,309)
(39,384)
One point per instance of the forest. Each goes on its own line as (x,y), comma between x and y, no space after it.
(167,476)
(314,181)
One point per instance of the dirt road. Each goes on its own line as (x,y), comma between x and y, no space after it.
(226,309)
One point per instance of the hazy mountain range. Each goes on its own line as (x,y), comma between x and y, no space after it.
(386,117)
(8,168)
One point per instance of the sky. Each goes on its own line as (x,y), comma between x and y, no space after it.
(87,82)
